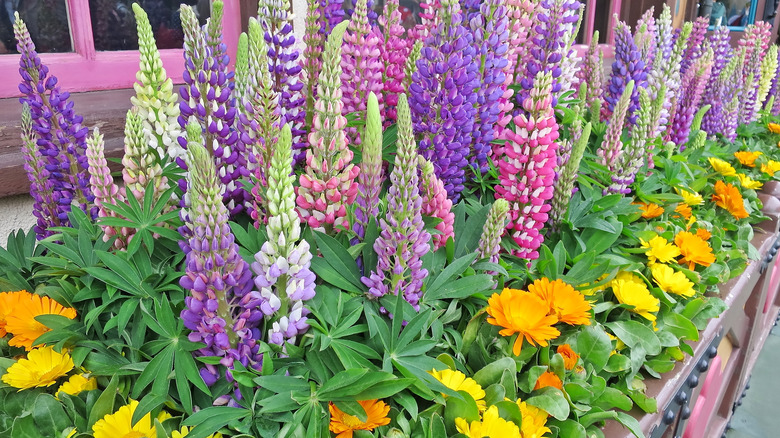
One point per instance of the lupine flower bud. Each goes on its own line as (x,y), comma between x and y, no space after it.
(402,239)
(564,188)
(328,185)
(490,241)
(768,70)
(45,207)
(436,204)
(411,63)
(141,169)
(104,189)
(154,97)
(592,73)
(370,177)
(612,146)
(645,37)
(695,48)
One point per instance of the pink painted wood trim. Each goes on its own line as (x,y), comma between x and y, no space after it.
(606,49)
(231,27)
(81,28)
(614,8)
(590,20)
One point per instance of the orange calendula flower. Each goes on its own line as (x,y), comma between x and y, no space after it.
(8,304)
(773,128)
(683,210)
(565,302)
(694,250)
(722,167)
(749,183)
(649,210)
(22,324)
(570,357)
(728,197)
(548,378)
(343,424)
(524,313)
(770,167)
(747,158)
(703,233)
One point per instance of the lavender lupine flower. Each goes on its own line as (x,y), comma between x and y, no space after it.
(527,168)
(553,18)
(728,96)
(695,48)
(314,42)
(663,72)
(216,277)
(645,37)
(567,176)
(768,70)
(285,69)
(570,63)
(747,111)
(284,278)
(206,95)
(328,184)
(61,139)
(694,82)
(668,73)
(104,189)
(370,177)
(45,207)
(491,33)
(772,98)
(628,66)
(362,68)
(490,241)
(442,98)
(721,46)
(332,14)
(592,74)
(635,154)
(436,204)
(140,171)
(394,55)
(612,146)
(154,96)
(402,239)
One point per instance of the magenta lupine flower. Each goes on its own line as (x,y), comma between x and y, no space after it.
(436,204)
(394,54)
(45,207)
(694,83)
(527,169)
(370,177)
(442,98)
(628,66)
(695,48)
(402,239)
(361,67)
(60,137)
(611,148)
(328,184)
(216,277)
(553,18)
(104,189)
(490,30)
(721,46)
(285,69)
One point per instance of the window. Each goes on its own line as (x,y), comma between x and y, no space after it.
(599,15)
(91,44)
(736,14)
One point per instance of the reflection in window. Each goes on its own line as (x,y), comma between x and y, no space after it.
(113,22)
(47,21)
(727,12)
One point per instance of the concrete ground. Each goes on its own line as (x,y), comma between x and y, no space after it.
(759,415)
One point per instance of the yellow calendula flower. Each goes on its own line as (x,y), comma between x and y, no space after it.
(42,367)
(672,281)
(524,313)
(343,424)
(694,249)
(660,250)
(22,322)
(690,198)
(749,183)
(534,421)
(78,383)
(637,295)
(184,431)
(119,424)
(457,381)
(773,127)
(491,426)
(747,158)
(566,303)
(770,167)
(722,167)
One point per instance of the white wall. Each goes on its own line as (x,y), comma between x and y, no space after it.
(15,213)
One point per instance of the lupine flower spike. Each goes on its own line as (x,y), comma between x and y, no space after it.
(104,189)
(314,42)
(567,176)
(328,185)
(628,66)
(402,240)
(45,207)
(141,170)
(527,169)
(612,146)
(216,277)
(370,177)
(284,279)
(394,55)
(490,242)
(592,74)
(436,204)
(154,97)
(694,81)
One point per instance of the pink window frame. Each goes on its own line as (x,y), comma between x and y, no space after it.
(86,69)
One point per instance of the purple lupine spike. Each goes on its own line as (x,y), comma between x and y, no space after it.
(285,69)
(645,37)
(45,206)
(747,110)
(570,63)
(216,277)
(370,177)
(628,66)
(592,74)
(332,13)
(60,137)
(394,54)
(553,18)
(371,13)
(612,146)
(491,33)
(695,48)
(720,42)
(436,204)
(694,83)
(402,239)
(442,98)
(361,67)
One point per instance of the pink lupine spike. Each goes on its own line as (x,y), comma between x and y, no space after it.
(436,204)
(105,190)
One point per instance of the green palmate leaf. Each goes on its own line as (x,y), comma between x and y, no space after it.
(351,407)
(329,274)
(211,419)
(467,232)
(636,334)
(462,287)
(594,346)
(552,401)
(339,258)
(454,269)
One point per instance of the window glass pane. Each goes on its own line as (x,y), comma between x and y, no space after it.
(113,22)
(47,21)
(727,12)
